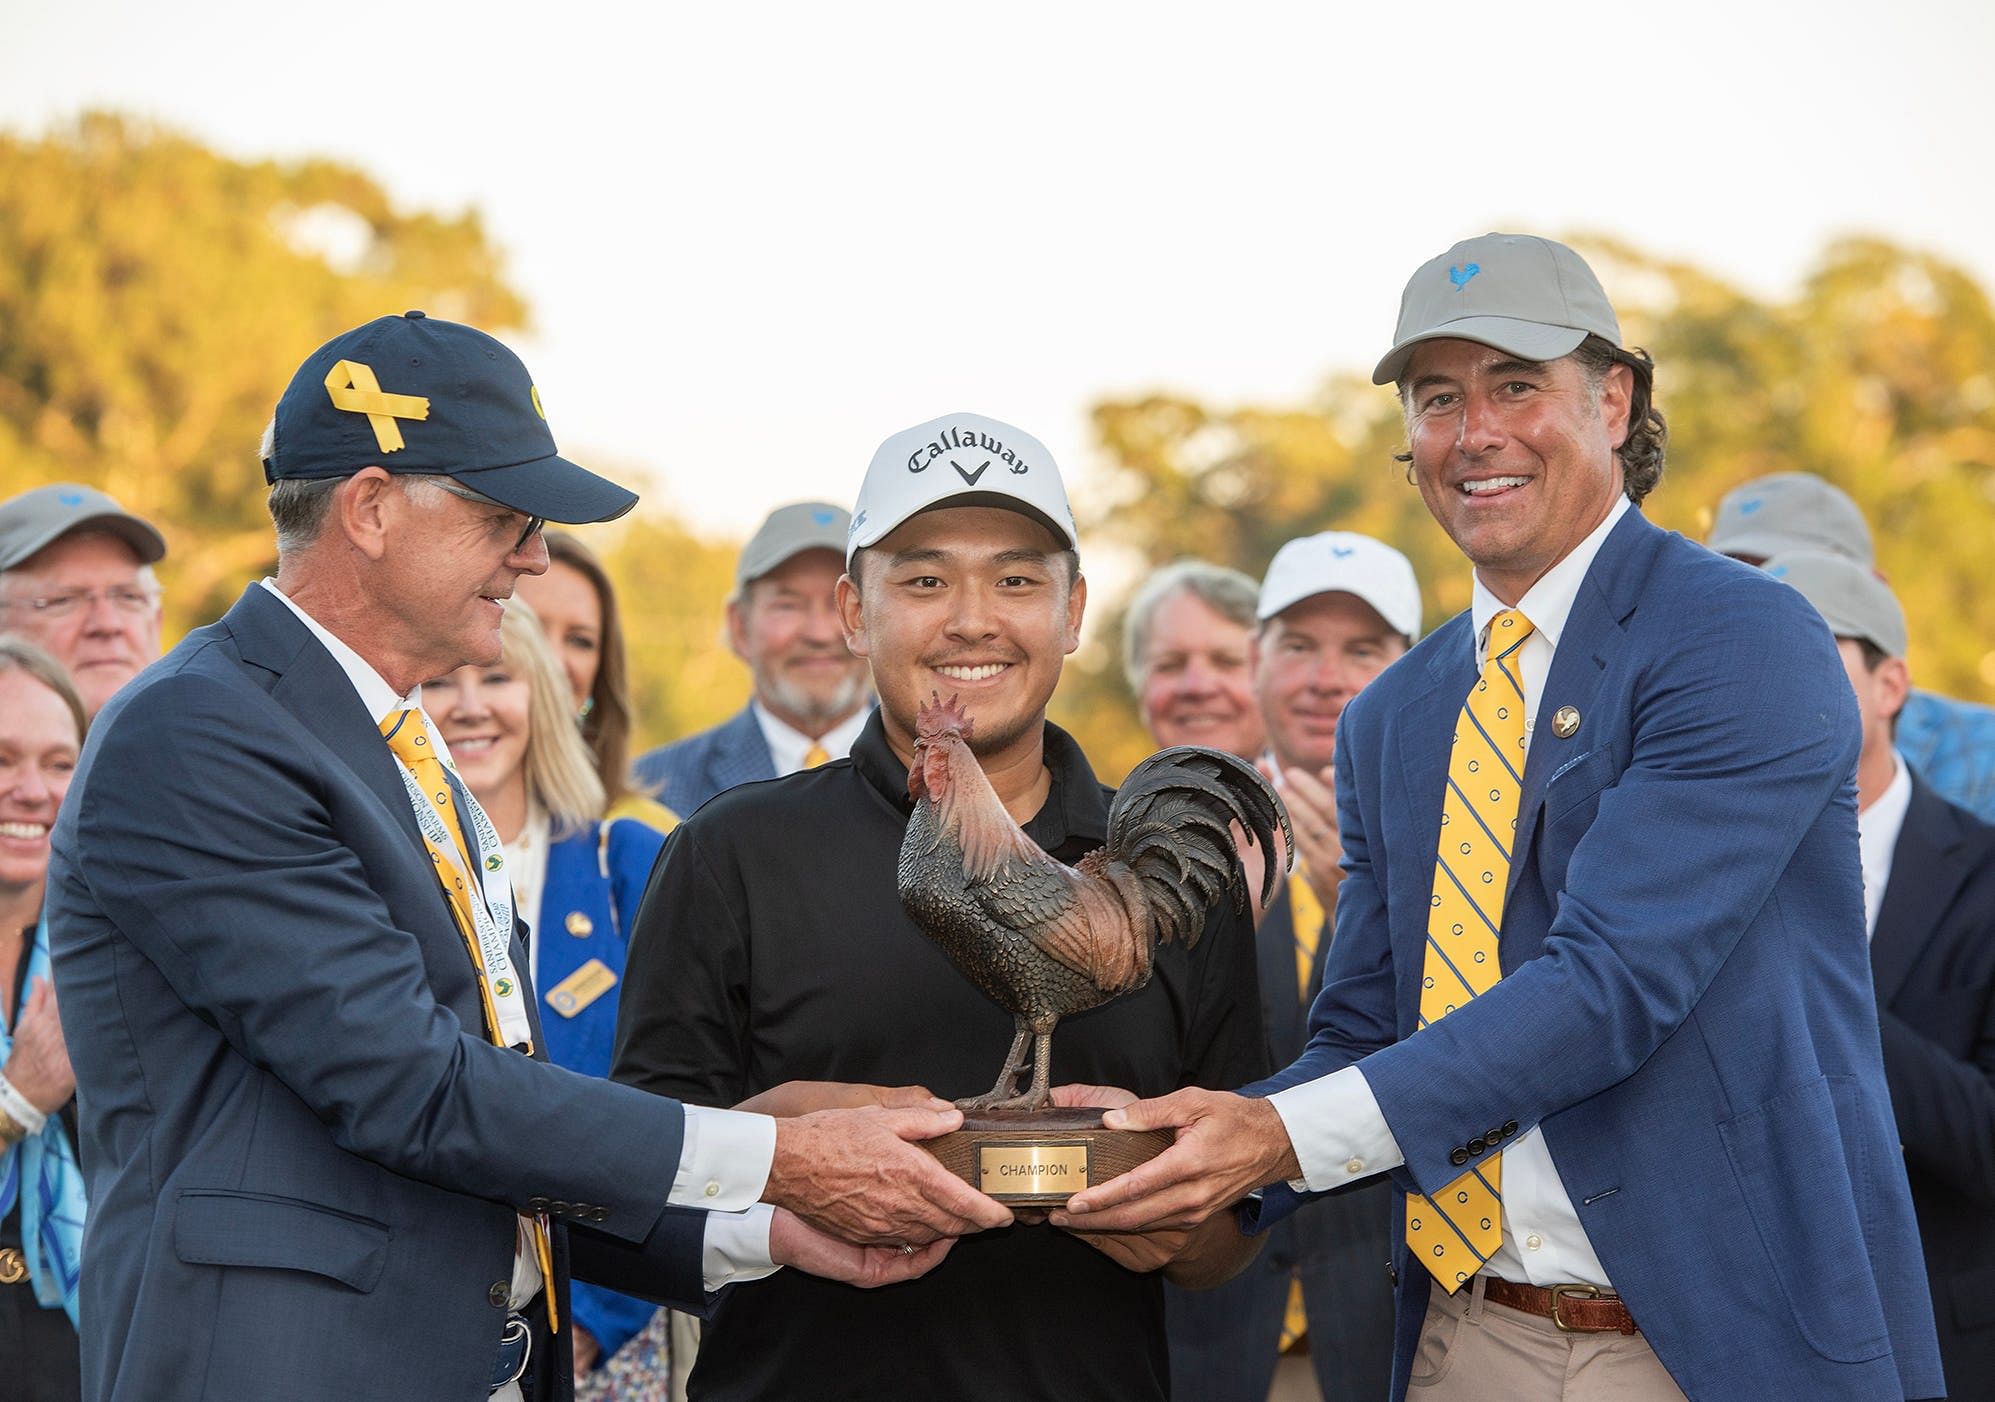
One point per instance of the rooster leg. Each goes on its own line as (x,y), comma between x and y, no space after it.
(1005,1092)
(1039,1096)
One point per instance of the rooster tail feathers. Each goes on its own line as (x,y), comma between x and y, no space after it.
(1171,824)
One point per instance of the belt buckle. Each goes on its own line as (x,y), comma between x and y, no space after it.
(1561,1293)
(13,1266)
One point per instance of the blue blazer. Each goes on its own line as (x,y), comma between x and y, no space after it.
(1686,1007)
(688,772)
(304,1159)
(586,915)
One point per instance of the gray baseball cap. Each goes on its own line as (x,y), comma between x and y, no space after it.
(1527,296)
(1854,601)
(37,518)
(1786,511)
(791,530)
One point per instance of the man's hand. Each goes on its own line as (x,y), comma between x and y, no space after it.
(39,1065)
(586,1350)
(855,1175)
(793,1098)
(1197,1258)
(1312,810)
(1227,1146)
(794,1242)
(1075,1095)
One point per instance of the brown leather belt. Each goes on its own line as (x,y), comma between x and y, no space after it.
(1577,1309)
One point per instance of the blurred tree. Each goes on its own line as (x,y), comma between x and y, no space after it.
(156,296)
(1878,373)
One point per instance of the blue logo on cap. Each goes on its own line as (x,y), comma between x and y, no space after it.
(822,518)
(1778,571)
(1343,552)
(70,498)
(1460,276)
(1747,508)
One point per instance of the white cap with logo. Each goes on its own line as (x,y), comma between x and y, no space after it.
(1344,562)
(959,460)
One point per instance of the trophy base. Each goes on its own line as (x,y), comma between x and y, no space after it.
(1040,1158)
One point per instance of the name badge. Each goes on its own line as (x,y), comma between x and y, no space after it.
(581,988)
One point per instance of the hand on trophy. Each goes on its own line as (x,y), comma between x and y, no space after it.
(1227,1146)
(857,1175)
(794,1242)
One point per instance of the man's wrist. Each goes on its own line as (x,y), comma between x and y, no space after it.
(19,1111)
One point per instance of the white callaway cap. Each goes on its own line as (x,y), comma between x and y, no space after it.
(959,460)
(1343,562)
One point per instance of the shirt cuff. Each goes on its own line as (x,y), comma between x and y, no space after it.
(736,1247)
(725,1163)
(1337,1129)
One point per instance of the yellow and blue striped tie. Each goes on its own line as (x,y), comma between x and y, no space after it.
(1453,1232)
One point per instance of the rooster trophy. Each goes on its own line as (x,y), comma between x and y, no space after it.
(1046,940)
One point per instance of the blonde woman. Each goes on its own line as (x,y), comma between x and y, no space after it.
(577,876)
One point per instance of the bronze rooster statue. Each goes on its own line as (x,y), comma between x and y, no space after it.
(1046,940)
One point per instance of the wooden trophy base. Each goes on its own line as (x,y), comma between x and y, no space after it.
(1040,1158)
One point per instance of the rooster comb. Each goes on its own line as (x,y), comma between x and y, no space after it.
(938,717)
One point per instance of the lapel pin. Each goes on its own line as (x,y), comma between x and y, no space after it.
(581,926)
(1565,722)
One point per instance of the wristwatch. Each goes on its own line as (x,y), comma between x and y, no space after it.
(12,1131)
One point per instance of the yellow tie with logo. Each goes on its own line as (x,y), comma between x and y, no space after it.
(816,755)
(1453,1232)
(408,737)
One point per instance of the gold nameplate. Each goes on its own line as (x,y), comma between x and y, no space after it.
(1007,1170)
(581,988)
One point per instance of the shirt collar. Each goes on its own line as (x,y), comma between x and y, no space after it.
(788,745)
(375,693)
(1549,602)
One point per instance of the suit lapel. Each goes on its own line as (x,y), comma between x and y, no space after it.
(1592,634)
(313,687)
(1926,872)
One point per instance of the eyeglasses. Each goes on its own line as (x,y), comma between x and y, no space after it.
(534,524)
(130,600)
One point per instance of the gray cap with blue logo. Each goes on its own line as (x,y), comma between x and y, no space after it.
(1527,296)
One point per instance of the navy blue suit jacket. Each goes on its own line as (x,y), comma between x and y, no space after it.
(688,772)
(1686,1008)
(1934,960)
(304,1159)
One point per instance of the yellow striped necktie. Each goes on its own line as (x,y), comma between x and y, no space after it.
(816,755)
(1453,1232)
(1306,918)
(408,737)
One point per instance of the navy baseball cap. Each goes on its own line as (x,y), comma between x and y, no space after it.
(414,394)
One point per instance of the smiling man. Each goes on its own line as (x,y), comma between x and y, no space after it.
(76,578)
(327,1157)
(1599,997)
(810,695)
(1188,652)
(772,948)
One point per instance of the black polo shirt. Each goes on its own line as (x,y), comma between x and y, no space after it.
(771,946)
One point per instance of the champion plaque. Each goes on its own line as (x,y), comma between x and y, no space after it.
(1040,1158)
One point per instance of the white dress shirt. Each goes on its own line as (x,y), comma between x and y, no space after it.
(724,1161)
(1334,1122)
(788,745)
(1877,838)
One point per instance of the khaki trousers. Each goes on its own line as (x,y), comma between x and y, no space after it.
(1471,1351)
